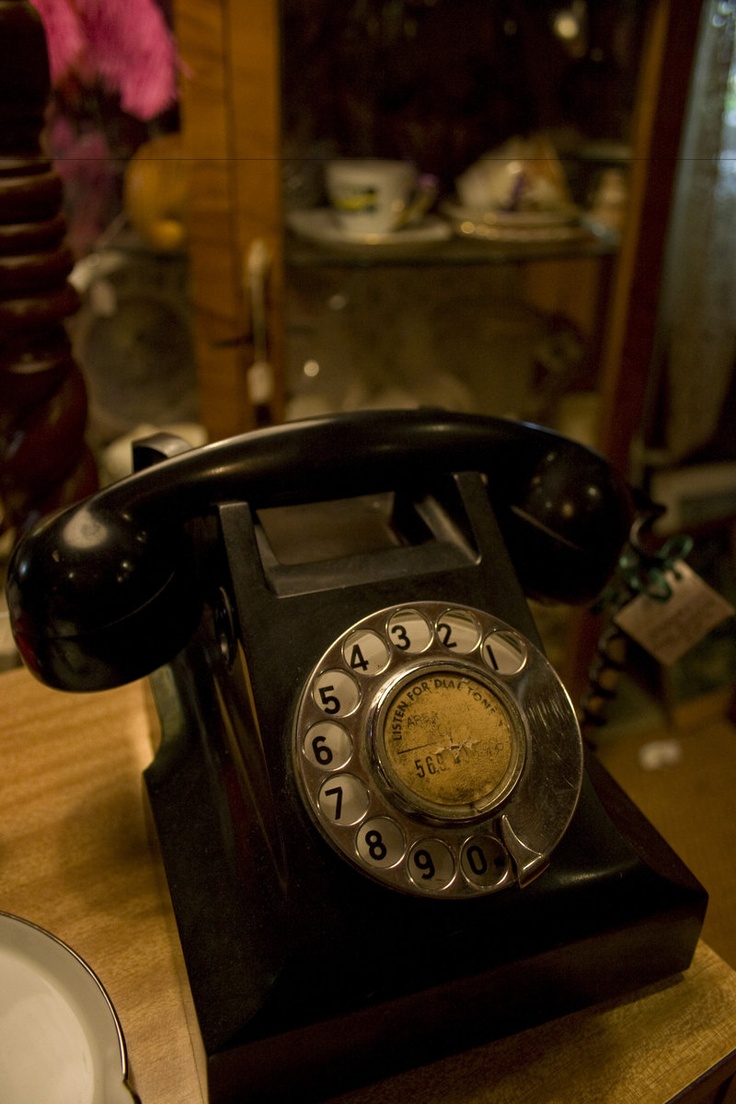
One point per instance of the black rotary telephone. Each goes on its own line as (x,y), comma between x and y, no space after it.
(382,835)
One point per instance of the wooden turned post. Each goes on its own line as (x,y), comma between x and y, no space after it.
(44,460)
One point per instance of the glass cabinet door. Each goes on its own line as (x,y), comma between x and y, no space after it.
(497,307)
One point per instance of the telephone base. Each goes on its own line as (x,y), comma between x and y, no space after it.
(309,973)
(617,911)
(330,1058)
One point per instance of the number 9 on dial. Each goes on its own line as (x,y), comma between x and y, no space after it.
(430,865)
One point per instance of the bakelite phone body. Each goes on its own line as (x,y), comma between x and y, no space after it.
(383,838)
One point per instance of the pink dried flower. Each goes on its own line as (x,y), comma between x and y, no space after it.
(125,43)
(64,35)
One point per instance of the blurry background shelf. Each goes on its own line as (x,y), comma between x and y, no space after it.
(301,253)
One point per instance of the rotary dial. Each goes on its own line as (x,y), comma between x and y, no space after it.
(437,751)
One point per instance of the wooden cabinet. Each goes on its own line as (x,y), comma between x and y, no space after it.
(231,126)
(231,114)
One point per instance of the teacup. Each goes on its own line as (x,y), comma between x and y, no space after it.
(370,195)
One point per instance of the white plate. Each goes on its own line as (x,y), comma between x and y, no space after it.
(517,226)
(318,225)
(60,1039)
(512,220)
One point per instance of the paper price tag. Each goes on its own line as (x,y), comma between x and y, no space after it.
(668,629)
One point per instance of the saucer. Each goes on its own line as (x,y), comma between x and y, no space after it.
(318,225)
(60,1039)
(559,224)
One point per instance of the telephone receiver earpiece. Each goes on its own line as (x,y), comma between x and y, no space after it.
(107,591)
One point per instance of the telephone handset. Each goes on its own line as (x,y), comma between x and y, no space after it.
(106,592)
(371,794)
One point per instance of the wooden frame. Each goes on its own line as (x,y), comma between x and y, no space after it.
(668,58)
(230,125)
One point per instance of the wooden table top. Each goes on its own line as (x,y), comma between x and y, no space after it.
(76,858)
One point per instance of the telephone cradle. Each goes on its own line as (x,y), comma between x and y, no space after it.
(383,838)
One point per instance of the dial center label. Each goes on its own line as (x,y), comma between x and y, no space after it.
(449,740)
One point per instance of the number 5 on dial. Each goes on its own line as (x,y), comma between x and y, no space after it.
(336,693)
